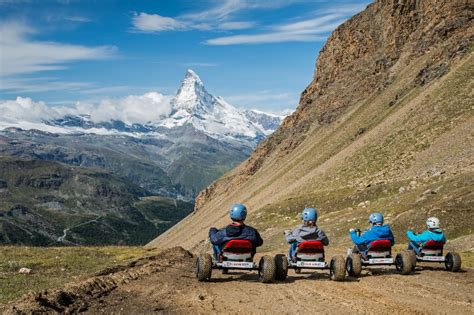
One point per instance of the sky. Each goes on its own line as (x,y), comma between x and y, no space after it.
(255,54)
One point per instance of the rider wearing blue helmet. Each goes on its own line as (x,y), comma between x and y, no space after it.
(236,230)
(307,231)
(377,231)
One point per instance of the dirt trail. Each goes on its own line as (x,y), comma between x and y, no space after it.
(166,283)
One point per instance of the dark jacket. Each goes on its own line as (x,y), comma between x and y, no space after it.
(307,233)
(235,232)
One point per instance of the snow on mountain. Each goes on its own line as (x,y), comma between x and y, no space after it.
(192,105)
(266,122)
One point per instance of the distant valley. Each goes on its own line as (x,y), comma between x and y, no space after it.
(172,158)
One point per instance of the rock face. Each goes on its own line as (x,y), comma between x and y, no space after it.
(363,56)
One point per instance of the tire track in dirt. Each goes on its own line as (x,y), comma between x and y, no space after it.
(166,283)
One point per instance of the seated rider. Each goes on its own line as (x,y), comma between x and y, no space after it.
(307,231)
(237,230)
(377,231)
(434,233)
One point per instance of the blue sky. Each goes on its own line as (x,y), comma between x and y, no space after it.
(256,54)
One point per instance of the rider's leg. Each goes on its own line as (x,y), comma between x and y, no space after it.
(359,249)
(217,250)
(292,250)
(414,246)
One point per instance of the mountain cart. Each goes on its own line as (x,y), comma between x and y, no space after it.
(235,255)
(432,252)
(309,255)
(378,253)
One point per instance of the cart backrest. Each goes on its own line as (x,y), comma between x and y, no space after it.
(380,248)
(238,250)
(310,250)
(433,248)
(238,246)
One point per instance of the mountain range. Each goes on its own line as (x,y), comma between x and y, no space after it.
(194,141)
(83,169)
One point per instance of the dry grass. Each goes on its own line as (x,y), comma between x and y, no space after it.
(54,266)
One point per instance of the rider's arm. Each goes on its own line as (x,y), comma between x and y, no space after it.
(392,238)
(418,238)
(291,237)
(358,240)
(258,239)
(444,239)
(322,237)
(217,236)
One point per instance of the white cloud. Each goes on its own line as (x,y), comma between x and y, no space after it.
(20,55)
(144,108)
(236,25)
(78,19)
(155,23)
(264,38)
(42,84)
(199,64)
(25,109)
(305,30)
(265,99)
(131,109)
(218,17)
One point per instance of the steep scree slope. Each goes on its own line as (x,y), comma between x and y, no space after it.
(386,124)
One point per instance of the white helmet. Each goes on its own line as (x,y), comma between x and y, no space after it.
(432,223)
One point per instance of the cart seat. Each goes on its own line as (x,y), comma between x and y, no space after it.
(240,250)
(432,248)
(380,248)
(310,250)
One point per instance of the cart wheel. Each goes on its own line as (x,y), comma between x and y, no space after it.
(266,269)
(403,263)
(298,270)
(338,268)
(412,255)
(281,267)
(203,267)
(224,271)
(452,262)
(354,265)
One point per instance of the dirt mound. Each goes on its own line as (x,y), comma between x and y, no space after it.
(77,297)
(166,283)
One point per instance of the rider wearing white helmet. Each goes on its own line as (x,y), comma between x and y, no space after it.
(433,233)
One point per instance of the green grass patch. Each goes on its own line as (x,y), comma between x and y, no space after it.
(54,266)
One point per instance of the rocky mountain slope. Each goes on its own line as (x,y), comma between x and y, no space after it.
(48,203)
(385,125)
(200,139)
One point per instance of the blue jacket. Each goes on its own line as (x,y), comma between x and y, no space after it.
(436,235)
(376,232)
(235,232)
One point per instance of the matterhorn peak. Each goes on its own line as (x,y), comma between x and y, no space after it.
(192,76)
(192,95)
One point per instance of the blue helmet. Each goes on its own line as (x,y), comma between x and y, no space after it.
(238,212)
(375,218)
(309,214)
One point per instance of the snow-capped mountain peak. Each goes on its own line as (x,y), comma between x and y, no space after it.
(192,106)
(192,96)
